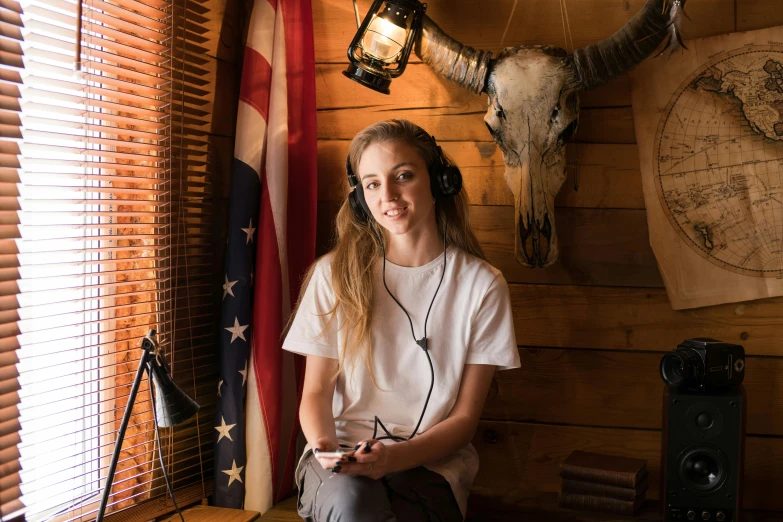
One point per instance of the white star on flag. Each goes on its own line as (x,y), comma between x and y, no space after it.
(233,473)
(249,231)
(227,287)
(237,330)
(244,373)
(224,430)
(220,385)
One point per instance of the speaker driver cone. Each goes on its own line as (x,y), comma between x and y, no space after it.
(703,470)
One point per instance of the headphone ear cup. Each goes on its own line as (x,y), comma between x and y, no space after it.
(449,181)
(356,197)
(359,205)
(446,179)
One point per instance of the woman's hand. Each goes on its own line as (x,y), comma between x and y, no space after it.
(325,444)
(369,459)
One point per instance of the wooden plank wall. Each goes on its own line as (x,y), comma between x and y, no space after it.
(591,330)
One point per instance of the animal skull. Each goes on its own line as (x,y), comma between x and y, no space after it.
(534,108)
(533,112)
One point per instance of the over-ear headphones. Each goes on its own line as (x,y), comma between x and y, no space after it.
(445,182)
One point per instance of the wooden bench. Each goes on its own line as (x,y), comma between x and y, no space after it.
(484,510)
(479,510)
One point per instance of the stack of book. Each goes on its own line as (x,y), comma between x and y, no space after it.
(608,483)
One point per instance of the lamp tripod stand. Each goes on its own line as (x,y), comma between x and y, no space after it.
(173,406)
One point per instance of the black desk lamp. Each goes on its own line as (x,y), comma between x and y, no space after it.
(173,406)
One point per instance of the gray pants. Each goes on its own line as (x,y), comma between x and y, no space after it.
(413,495)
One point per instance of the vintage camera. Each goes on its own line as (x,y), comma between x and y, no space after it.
(703,364)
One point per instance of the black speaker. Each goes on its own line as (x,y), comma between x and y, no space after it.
(702,454)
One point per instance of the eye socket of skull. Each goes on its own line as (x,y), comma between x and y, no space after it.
(568,116)
(496,120)
(567,133)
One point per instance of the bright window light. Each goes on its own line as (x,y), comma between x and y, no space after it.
(62,319)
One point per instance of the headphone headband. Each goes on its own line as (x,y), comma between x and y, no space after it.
(352,180)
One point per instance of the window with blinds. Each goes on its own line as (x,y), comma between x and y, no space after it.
(105,231)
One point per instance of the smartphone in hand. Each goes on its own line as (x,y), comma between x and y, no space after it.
(338,454)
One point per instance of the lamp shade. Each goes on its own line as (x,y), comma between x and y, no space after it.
(172,405)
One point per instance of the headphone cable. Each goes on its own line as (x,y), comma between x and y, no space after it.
(421,342)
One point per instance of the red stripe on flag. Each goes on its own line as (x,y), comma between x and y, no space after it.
(267,326)
(256,81)
(302,176)
(300,241)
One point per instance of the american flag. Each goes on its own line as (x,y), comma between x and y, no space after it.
(271,242)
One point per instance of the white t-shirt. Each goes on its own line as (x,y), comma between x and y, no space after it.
(470,323)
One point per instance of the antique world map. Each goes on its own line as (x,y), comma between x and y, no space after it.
(718,160)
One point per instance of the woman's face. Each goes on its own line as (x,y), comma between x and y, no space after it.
(396,186)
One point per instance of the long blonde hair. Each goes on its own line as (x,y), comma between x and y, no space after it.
(358,244)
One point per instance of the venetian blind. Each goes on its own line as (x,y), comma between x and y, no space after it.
(105,233)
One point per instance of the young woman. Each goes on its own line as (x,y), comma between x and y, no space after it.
(404,324)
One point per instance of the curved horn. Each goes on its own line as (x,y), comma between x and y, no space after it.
(461,64)
(614,56)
